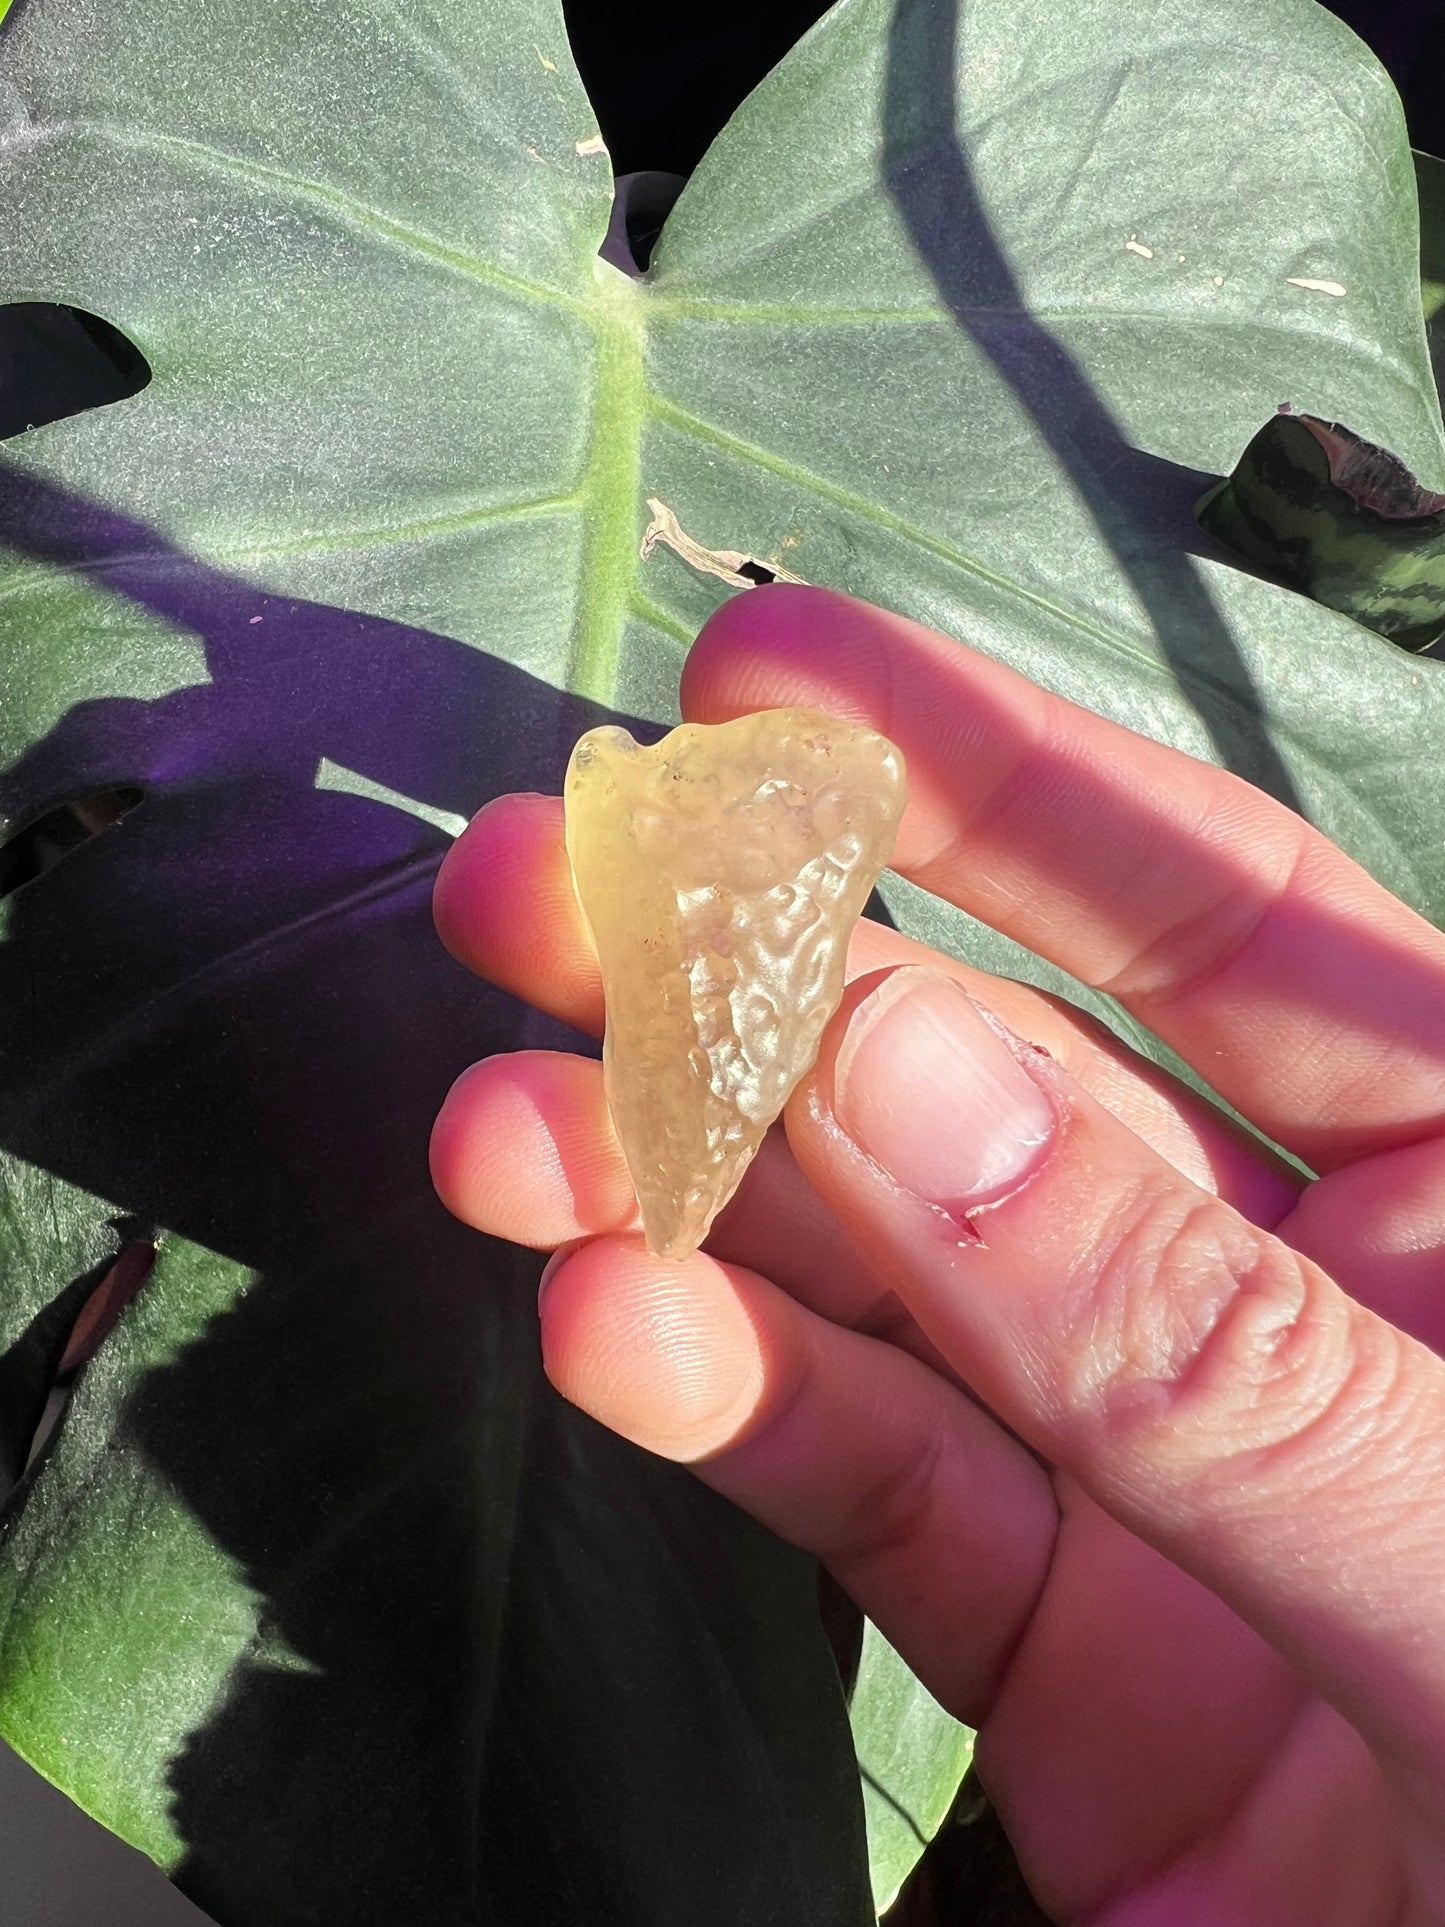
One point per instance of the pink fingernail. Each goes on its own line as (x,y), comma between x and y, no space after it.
(931,1092)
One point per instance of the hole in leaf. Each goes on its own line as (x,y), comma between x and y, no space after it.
(57,361)
(755,571)
(37,847)
(39,1366)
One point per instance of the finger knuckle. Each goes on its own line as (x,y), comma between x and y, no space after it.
(1217,1340)
(889,1511)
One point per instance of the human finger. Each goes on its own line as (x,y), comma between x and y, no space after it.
(523,1148)
(505,907)
(1305,993)
(1378,1227)
(1213,1389)
(927,1514)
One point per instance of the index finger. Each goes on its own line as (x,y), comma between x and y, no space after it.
(1301,989)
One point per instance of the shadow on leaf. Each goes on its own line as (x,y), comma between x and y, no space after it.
(929,177)
(495,1665)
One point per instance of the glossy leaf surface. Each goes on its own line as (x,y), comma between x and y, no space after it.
(958,314)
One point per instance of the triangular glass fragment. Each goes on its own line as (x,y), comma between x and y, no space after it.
(721,872)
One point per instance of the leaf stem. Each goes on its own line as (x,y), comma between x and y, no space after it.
(611,489)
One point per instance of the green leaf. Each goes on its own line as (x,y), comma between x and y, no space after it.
(912,1756)
(321,1597)
(1339,520)
(1326,513)
(1430,182)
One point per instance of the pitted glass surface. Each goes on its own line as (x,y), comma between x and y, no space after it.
(721,872)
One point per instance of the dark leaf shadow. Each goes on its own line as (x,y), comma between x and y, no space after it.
(507,1669)
(929,178)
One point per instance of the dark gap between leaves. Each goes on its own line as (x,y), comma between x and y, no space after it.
(37,847)
(665,80)
(57,361)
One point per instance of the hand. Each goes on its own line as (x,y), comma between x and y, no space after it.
(1192,1595)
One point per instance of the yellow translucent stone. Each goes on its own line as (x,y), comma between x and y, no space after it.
(721,872)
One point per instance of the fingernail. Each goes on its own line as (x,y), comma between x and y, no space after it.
(557,1259)
(932,1093)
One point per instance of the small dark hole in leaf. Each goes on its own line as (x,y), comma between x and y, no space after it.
(755,572)
(57,361)
(35,848)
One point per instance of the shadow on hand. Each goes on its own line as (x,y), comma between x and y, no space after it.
(506,1668)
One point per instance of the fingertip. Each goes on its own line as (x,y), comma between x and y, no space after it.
(783,644)
(505,907)
(523,1148)
(495,856)
(670,1353)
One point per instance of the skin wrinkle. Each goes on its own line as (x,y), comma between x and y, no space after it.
(769,1420)
(1222,1289)
(1167,985)
(995,806)
(1211,1827)
(892,1510)
(900,1503)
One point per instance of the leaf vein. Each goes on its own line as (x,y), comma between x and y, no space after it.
(369,220)
(669,412)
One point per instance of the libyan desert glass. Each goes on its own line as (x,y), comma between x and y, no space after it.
(721,872)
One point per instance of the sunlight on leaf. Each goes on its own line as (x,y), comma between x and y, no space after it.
(959,313)
(350,782)
(912,1756)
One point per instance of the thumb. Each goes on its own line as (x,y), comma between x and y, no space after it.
(1212,1388)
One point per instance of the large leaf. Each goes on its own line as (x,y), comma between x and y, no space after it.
(320,1596)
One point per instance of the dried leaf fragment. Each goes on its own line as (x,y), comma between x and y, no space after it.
(727,564)
(721,872)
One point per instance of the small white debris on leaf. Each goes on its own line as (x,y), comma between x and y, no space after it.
(1316,287)
(594,144)
(1136,246)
